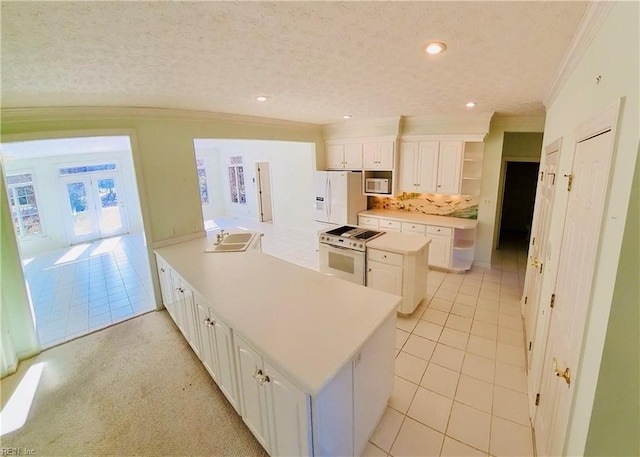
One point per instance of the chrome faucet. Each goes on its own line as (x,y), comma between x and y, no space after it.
(220,236)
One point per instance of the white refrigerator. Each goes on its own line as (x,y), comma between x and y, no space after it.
(338,197)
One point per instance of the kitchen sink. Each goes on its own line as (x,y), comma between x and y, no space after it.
(229,247)
(237,238)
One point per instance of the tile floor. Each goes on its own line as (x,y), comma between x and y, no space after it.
(89,286)
(460,385)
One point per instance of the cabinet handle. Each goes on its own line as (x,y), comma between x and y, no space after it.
(206,321)
(162,270)
(265,379)
(258,373)
(384,256)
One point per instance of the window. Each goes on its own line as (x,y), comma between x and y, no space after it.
(24,208)
(202,181)
(236,180)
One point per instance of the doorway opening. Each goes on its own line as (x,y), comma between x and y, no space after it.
(76,213)
(518,203)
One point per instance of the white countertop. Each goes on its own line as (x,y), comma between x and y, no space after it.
(429,219)
(401,243)
(307,324)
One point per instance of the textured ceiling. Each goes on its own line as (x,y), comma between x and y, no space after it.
(314,60)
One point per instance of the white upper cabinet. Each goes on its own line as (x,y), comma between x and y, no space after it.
(449,167)
(344,156)
(378,155)
(431,166)
(419,166)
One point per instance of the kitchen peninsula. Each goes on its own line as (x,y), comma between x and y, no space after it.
(307,360)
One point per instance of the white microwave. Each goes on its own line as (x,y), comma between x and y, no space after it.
(377,186)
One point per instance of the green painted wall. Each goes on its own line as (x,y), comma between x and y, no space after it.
(522,144)
(615,420)
(491,169)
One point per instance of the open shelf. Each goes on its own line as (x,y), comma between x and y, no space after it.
(464,244)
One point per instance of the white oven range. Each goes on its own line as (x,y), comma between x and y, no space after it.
(342,252)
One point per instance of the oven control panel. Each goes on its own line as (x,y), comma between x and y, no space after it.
(342,242)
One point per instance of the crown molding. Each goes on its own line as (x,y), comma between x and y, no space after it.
(45,114)
(594,16)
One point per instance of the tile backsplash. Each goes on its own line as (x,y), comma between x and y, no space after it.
(440,205)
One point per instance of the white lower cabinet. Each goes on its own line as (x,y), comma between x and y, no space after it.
(399,274)
(276,411)
(217,351)
(441,244)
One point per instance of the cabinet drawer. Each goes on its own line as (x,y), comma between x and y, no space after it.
(413,228)
(390,258)
(368,221)
(435,230)
(394,226)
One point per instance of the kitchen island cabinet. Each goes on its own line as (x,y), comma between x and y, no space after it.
(397,263)
(325,346)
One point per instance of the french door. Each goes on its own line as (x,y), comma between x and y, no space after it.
(95,206)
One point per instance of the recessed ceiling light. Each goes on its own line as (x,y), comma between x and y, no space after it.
(261,98)
(435,47)
(471,104)
(347,116)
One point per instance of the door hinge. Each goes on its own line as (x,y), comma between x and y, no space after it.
(541,175)
(533,241)
(537,399)
(525,300)
(553,300)
(570,182)
(530,343)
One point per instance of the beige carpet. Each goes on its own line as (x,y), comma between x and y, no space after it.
(132,389)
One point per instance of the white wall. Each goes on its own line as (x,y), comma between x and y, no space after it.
(291,164)
(52,201)
(614,56)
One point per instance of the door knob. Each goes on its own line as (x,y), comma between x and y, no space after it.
(534,262)
(566,374)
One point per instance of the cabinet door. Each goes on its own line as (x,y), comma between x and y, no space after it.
(385,278)
(226,362)
(253,400)
(178,307)
(408,166)
(289,415)
(335,156)
(385,155)
(427,167)
(449,167)
(440,251)
(353,156)
(191,328)
(208,340)
(371,157)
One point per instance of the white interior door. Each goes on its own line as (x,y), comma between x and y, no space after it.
(263,173)
(589,182)
(538,248)
(96,207)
